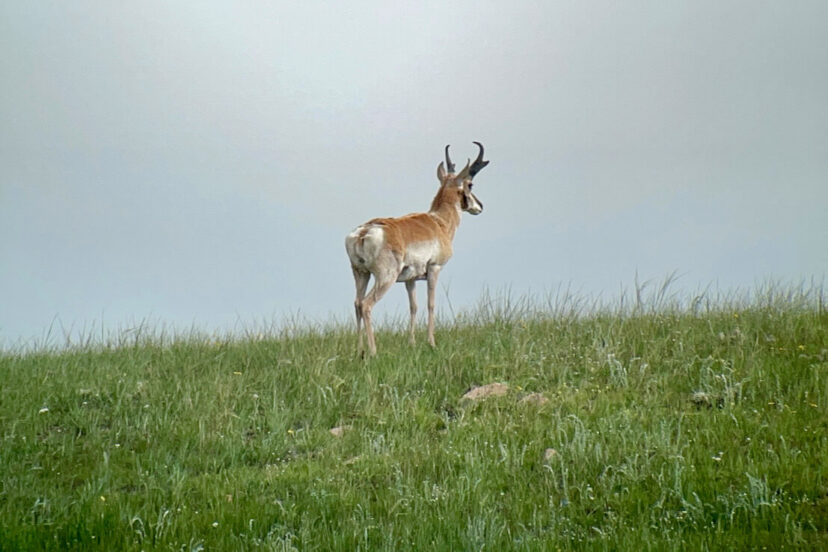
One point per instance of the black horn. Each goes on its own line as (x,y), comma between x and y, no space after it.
(449,164)
(478,164)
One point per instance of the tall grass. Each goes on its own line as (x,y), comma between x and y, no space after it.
(674,422)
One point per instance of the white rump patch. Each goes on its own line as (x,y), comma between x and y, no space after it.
(364,245)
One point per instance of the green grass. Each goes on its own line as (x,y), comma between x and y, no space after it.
(691,427)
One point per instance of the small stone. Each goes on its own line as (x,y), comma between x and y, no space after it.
(549,454)
(486,391)
(339,431)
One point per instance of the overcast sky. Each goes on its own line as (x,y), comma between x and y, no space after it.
(200,163)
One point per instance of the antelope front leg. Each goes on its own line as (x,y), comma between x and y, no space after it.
(410,287)
(431,279)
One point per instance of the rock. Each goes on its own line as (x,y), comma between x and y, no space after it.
(534,399)
(339,431)
(486,391)
(702,399)
(549,454)
(705,400)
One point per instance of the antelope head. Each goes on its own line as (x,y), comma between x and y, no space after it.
(461,183)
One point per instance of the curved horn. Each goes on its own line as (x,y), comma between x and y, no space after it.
(478,164)
(449,164)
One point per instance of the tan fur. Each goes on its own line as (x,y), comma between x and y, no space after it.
(418,227)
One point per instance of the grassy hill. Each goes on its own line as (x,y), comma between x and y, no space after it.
(645,428)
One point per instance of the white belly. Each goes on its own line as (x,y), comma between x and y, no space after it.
(418,256)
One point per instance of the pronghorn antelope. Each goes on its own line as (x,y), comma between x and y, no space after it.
(410,248)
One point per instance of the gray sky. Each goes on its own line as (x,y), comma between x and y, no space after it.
(199,163)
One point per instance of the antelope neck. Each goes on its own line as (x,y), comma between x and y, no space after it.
(446,211)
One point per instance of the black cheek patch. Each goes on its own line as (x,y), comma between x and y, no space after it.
(464,204)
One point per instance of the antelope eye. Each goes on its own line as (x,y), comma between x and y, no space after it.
(470,185)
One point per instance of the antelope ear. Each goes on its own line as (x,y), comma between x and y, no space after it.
(441,173)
